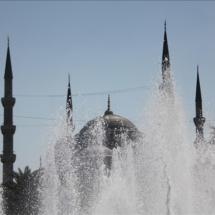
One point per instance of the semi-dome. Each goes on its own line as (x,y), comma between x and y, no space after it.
(108,129)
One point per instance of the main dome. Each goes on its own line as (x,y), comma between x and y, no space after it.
(116,123)
(110,127)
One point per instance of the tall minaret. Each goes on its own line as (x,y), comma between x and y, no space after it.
(69,108)
(199,120)
(8,129)
(165,56)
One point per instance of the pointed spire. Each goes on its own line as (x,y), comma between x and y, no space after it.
(199,120)
(165,55)
(198,88)
(69,107)
(69,95)
(8,68)
(108,111)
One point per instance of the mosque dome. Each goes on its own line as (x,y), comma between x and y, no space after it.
(117,123)
(108,129)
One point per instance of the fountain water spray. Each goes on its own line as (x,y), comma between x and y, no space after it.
(152,175)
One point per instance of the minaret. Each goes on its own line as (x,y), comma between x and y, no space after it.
(8,129)
(165,55)
(69,108)
(199,120)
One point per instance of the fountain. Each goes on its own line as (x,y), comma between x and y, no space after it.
(160,173)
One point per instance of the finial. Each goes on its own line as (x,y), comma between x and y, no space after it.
(8,41)
(40,162)
(198,68)
(108,111)
(165,25)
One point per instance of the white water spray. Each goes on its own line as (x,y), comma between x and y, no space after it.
(161,173)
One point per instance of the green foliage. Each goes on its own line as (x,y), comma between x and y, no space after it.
(22,196)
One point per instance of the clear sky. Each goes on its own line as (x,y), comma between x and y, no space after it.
(105,46)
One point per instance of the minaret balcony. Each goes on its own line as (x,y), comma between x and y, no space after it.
(8,101)
(8,158)
(8,129)
(199,121)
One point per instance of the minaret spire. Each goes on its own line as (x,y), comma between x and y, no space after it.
(69,107)
(199,120)
(8,68)
(165,54)
(8,129)
(198,88)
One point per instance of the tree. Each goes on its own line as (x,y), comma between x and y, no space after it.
(22,196)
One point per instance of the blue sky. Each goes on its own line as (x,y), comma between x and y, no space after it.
(104,45)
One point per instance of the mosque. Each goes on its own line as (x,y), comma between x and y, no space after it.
(113,125)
